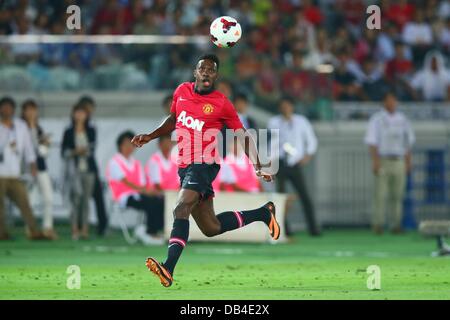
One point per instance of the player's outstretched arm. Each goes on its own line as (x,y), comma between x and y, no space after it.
(248,144)
(166,127)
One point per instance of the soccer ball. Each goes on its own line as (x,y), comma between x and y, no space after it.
(225,32)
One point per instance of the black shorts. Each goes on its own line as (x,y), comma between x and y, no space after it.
(199,177)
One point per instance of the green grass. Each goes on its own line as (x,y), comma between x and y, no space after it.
(330,267)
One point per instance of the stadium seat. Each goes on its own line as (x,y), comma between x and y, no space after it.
(118,215)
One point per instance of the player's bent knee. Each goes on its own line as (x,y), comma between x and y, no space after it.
(182,210)
(211,232)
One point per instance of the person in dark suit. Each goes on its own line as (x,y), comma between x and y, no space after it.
(102,218)
(77,151)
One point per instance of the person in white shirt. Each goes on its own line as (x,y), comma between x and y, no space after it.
(161,169)
(129,188)
(41,144)
(390,138)
(419,35)
(15,146)
(433,81)
(297,145)
(237,173)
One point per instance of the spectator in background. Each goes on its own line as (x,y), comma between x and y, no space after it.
(117,16)
(304,30)
(224,86)
(83,56)
(400,12)
(42,23)
(390,138)
(419,35)
(352,12)
(147,24)
(320,54)
(398,71)
(240,103)
(346,86)
(77,151)
(295,80)
(341,40)
(6,16)
(297,145)
(25,52)
(432,82)
(161,169)
(41,144)
(89,104)
(267,86)
(443,34)
(371,79)
(129,188)
(385,46)
(312,13)
(247,67)
(15,146)
(55,54)
(238,173)
(400,66)
(366,45)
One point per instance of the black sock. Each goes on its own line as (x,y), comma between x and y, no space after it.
(231,220)
(177,242)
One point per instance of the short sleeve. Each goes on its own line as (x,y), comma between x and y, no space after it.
(311,139)
(30,155)
(227,175)
(115,172)
(153,172)
(230,116)
(371,137)
(410,136)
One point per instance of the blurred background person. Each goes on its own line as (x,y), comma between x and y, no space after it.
(102,218)
(297,145)
(77,151)
(237,172)
(128,185)
(41,145)
(390,138)
(15,146)
(161,169)
(240,102)
(432,82)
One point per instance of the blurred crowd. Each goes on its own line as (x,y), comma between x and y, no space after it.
(305,49)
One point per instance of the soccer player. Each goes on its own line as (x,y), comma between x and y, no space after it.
(197,109)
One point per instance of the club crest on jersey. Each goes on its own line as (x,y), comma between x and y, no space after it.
(190,122)
(208,108)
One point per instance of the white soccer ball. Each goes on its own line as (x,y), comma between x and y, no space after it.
(225,32)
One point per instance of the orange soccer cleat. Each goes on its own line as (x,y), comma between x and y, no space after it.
(274,227)
(160,271)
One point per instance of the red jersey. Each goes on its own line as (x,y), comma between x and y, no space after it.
(199,118)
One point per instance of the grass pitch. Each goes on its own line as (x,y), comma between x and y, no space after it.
(331,267)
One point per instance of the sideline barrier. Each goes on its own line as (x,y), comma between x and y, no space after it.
(255,232)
